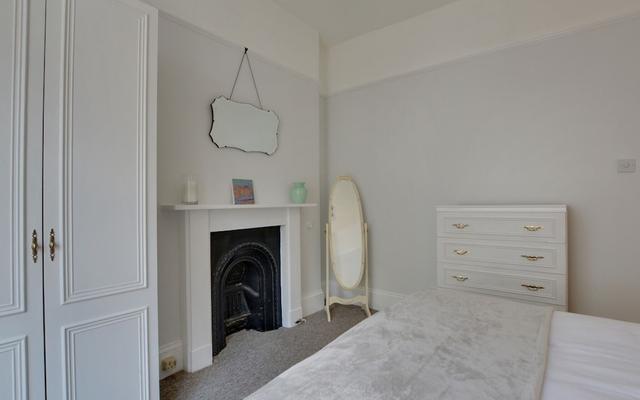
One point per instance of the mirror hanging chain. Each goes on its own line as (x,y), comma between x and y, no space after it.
(255,86)
(245,126)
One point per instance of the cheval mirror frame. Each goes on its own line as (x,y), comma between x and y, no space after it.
(346,236)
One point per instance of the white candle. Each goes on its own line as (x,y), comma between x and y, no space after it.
(190,195)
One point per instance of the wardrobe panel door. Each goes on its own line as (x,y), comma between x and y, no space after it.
(21,327)
(100,278)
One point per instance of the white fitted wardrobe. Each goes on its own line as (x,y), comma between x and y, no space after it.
(78,297)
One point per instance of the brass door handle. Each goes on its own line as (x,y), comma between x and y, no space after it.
(533,228)
(34,246)
(532,258)
(532,288)
(460,226)
(460,278)
(52,245)
(461,252)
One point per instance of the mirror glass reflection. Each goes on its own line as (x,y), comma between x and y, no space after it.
(243,126)
(347,234)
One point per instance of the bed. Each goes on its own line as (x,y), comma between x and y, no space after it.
(446,344)
(592,358)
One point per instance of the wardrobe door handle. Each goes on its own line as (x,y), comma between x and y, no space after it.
(52,245)
(34,246)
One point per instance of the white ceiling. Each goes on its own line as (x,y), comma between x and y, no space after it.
(340,20)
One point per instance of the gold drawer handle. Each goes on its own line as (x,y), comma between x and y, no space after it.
(533,228)
(461,252)
(532,258)
(460,278)
(532,288)
(460,226)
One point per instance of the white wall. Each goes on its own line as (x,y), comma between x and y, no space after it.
(539,123)
(460,29)
(261,25)
(194,68)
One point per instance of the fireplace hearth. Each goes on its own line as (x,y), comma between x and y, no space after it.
(245,282)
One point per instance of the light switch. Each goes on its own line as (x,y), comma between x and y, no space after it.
(626,165)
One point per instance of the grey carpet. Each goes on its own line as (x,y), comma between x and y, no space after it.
(251,358)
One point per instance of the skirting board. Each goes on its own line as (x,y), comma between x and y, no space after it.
(173,349)
(313,303)
(201,358)
(381,299)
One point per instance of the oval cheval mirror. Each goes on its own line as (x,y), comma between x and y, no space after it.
(346,245)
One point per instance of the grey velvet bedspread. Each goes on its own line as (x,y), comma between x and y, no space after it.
(436,344)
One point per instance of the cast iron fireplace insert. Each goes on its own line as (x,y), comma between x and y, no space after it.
(245,282)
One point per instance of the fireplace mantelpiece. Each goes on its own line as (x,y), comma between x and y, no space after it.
(199,221)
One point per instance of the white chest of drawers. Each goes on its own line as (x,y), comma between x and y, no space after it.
(511,251)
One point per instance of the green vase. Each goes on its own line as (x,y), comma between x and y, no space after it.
(298,193)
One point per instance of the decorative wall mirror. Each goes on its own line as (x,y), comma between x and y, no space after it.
(346,245)
(243,126)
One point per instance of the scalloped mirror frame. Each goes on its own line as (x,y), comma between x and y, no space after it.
(243,126)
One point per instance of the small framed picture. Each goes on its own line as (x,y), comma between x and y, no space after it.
(243,191)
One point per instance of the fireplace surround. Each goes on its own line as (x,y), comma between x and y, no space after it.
(200,221)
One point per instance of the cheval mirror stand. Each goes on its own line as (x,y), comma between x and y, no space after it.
(346,236)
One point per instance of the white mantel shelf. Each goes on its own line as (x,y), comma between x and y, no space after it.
(193,207)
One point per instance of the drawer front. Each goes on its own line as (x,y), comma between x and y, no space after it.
(549,227)
(525,256)
(534,287)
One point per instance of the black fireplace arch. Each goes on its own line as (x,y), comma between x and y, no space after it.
(245,283)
